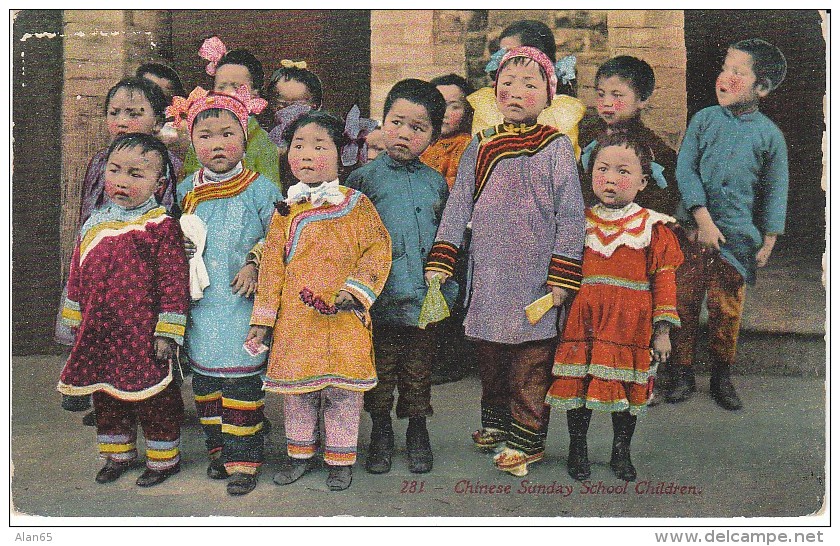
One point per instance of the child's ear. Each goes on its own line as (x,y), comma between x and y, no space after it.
(644,103)
(645,180)
(161,183)
(762,89)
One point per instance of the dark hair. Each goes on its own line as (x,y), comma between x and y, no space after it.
(302,75)
(164,72)
(637,73)
(769,63)
(535,34)
(146,143)
(628,140)
(333,125)
(215,113)
(466,89)
(247,59)
(148,89)
(419,92)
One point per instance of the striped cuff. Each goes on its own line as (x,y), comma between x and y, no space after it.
(263,316)
(666,313)
(171,325)
(442,258)
(360,291)
(564,272)
(71,313)
(255,254)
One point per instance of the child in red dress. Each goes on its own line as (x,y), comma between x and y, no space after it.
(627,295)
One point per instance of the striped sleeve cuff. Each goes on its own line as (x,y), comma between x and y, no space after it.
(256,253)
(71,313)
(171,325)
(442,258)
(564,272)
(360,291)
(262,316)
(667,313)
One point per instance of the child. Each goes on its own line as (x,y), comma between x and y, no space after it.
(375,141)
(236,205)
(444,154)
(127,298)
(732,172)
(326,259)
(292,91)
(231,70)
(627,295)
(409,197)
(170,83)
(624,86)
(563,113)
(518,185)
(133,105)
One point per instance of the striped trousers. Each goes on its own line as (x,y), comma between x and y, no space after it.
(160,416)
(342,410)
(231,413)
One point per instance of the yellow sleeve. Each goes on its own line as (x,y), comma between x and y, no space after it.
(272,272)
(368,278)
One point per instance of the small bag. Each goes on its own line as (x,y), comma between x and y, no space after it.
(434,307)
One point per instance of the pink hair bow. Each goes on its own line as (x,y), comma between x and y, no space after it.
(241,104)
(213,49)
(180,107)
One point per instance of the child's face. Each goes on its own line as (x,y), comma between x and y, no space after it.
(219,142)
(166,85)
(288,92)
(617,176)
(131,176)
(617,101)
(129,111)
(408,130)
(230,77)
(313,156)
(737,87)
(456,106)
(521,92)
(375,143)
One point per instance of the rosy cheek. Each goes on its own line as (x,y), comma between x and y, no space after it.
(109,188)
(619,105)
(418,140)
(203,151)
(320,163)
(231,149)
(390,133)
(736,84)
(504,96)
(294,164)
(530,100)
(599,103)
(623,182)
(599,181)
(455,119)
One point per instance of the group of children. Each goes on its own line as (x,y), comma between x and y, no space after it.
(318,295)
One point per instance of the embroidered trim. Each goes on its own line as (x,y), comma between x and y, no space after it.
(617,281)
(601,371)
(221,190)
(71,314)
(632,226)
(96,234)
(565,272)
(171,325)
(361,291)
(128,396)
(317,383)
(442,258)
(306,217)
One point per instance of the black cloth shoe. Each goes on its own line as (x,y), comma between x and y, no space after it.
(420,456)
(241,483)
(295,470)
(89,420)
(381,447)
(682,385)
(153,477)
(340,477)
(624,425)
(578,463)
(113,470)
(217,470)
(723,391)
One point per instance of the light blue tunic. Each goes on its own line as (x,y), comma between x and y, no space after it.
(736,167)
(219,322)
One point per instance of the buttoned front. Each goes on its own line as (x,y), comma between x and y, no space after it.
(736,167)
(409,198)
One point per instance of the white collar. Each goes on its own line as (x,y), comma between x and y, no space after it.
(325,192)
(206,176)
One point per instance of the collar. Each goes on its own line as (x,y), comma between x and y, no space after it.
(518,128)
(411,166)
(606,213)
(326,192)
(206,176)
(745,116)
(113,212)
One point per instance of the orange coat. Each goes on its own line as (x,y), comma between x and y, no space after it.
(324,250)
(445,154)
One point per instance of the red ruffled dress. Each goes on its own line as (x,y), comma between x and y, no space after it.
(604,358)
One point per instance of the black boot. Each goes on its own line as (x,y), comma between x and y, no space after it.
(152,477)
(381,444)
(682,385)
(722,389)
(295,470)
(420,457)
(578,462)
(624,425)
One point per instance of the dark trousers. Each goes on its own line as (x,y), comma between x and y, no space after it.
(231,413)
(514,382)
(404,358)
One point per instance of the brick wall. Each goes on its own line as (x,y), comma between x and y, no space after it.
(100,48)
(460,41)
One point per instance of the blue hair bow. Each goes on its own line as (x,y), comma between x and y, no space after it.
(565,69)
(495,59)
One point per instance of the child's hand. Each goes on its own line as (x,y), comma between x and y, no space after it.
(189,248)
(245,282)
(164,348)
(710,236)
(559,294)
(257,333)
(763,254)
(661,342)
(345,301)
(431,274)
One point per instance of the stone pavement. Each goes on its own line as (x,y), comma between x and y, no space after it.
(766,460)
